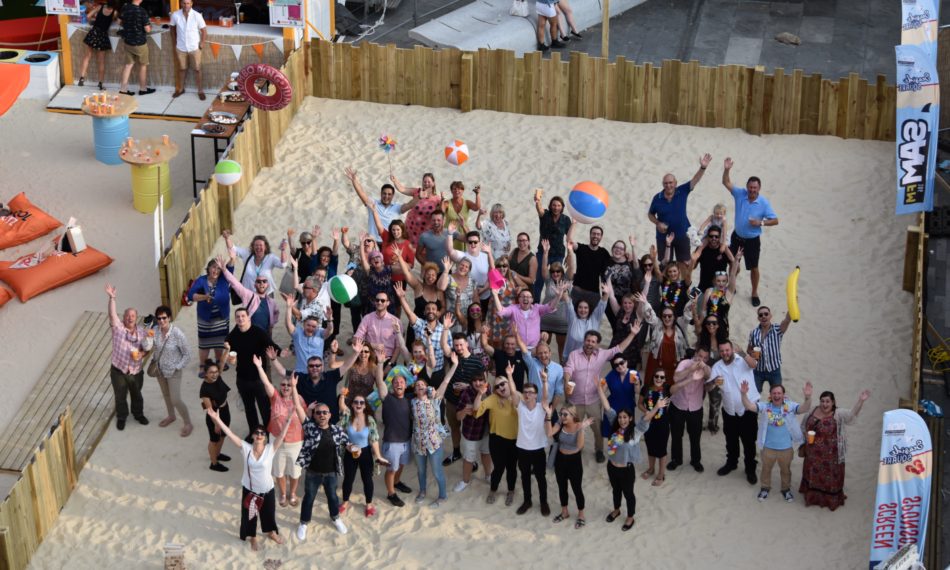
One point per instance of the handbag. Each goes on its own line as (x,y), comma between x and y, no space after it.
(235,298)
(153,369)
(519,8)
(252,502)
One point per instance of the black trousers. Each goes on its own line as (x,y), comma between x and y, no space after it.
(504,457)
(526,460)
(337,316)
(356,316)
(743,429)
(621,481)
(364,464)
(569,469)
(693,424)
(267,516)
(253,393)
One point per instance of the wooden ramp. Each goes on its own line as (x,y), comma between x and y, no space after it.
(77,377)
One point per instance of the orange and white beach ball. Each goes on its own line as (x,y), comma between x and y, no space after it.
(456,152)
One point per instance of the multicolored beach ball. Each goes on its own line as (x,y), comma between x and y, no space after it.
(588,202)
(456,152)
(342,289)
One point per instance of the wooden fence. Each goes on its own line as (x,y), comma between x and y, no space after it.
(213,212)
(42,490)
(728,96)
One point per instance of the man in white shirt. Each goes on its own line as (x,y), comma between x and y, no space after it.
(738,423)
(385,207)
(189,35)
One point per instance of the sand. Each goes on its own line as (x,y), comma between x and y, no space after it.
(146,486)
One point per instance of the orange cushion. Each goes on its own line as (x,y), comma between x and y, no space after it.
(58,269)
(25,223)
(5,295)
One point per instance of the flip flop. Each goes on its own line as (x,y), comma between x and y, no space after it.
(510,498)
(658,481)
(558,518)
(646,474)
(186,431)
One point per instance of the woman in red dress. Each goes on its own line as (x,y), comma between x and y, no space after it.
(417,220)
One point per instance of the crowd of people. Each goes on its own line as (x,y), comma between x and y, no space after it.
(453,340)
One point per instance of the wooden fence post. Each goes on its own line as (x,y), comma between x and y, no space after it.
(466,93)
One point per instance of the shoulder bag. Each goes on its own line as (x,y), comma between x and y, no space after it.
(519,8)
(235,298)
(153,368)
(252,502)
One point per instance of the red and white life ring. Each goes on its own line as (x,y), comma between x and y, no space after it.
(249,76)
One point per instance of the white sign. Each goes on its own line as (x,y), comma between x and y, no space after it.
(63,7)
(287,14)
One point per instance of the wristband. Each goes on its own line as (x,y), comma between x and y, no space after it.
(702,168)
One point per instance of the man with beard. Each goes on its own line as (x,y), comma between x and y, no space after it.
(397,419)
(428,329)
(592,262)
(738,423)
(432,243)
(385,207)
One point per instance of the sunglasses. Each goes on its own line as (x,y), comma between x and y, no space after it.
(304,242)
(619,361)
(501,384)
(364,352)
(667,316)
(721,273)
(711,236)
(285,386)
(565,415)
(211,373)
(530,393)
(260,433)
(657,376)
(359,403)
(162,318)
(322,412)
(712,324)
(648,265)
(763,314)
(475,310)
(265,281)
(473,243)
(558,271)
(502,265)
(381,300)
(314,366)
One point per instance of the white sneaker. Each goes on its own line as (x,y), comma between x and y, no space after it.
(240,404)
(340,526)
(460,486)
(302,532)
(488,479)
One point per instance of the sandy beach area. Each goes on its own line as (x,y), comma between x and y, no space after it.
(146,486)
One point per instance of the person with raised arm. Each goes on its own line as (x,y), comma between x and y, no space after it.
(623,450)
(258,260)
(427,327)
(527,315)
(654,390)
(459,287)
(322,382)
(554,275)
(623,273)
(712,258)
(739,424)
(508,294)
(376,327)
(475,439)
(263,309)
(428,433)
(457,209)
(532,439)
(585,317)
(397,435)
(668,211)
(360,426)
(249,341)
(468,365)
(668,342)
(503,431)
(306,254)
(308,339)
(508,354)
(768,337)
(592,262)
(495,231)
(568,467)
(628,316)
(385,208)
(717,300)
(482,262)
(429,202)
(284,405)
(213,309)
(130,343)
(686,411)
(553,226)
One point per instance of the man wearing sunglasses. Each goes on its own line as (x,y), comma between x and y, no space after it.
(526,315)
(262,308)
(712,258)
(321,455)
(482,261)
(768,337)
(377,327)
(385,207)
(668,212)
(129,345)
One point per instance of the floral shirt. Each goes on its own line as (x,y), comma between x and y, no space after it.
(501,325)
(554,232)
(427,430)
(173,349)
(500,240)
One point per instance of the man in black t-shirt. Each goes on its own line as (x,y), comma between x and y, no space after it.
(322,451)
(592,262)
(135,24)
(397,435)
(249,341)
(712,258)
(508,354)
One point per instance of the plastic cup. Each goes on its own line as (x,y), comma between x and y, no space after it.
(165,139)
(135,354)
(756,352)
(151,332)
(232,357)
(719,381)
(811,437)
(570,387)
(355,450)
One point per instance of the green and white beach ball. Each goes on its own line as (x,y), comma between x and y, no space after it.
(342,289)
(227,173)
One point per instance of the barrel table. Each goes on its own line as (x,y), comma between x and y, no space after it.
(149,170)
(110,130)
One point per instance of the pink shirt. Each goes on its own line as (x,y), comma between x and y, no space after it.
(377,330)
(529,328)
(690,397)
(585,372)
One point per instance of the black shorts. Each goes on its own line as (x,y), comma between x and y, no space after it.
(750,249)
(225,415)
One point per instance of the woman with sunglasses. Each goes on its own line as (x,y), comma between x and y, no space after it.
(668,342)
(712,335)
(472,327)
(214,396)
(284,405)
(502,432)
(355,270)
(425,290)
(457,209)
(507,295)
(213,297)
(360,426)
(623,450)
(459,287)
(651,395)
(623,384)
(623,272)
(650,285)
(417,220)
(583,319)
(555,322)
(718,299)
(627,318)
(428,432)
(674,286)
(568,467)
(379,275)
(396,245)
(256,479)
(361,378)
(172,354)
(306,255)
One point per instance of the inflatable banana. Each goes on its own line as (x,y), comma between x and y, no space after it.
(791,291)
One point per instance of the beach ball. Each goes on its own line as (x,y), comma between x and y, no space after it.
(342,289)
(587,202)
(456,152)
(227,173)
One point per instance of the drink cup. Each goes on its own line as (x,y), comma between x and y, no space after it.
(135,354)
(232,357)
(570,387)
(151,332)
(355,450)
(165,139)
(537,194)
(811,437)
(718,380)
(756,352)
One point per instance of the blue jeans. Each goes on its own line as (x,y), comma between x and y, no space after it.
(312,486)
(774,378)
(539,280)
(435,460)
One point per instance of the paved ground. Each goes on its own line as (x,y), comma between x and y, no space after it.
(838,36)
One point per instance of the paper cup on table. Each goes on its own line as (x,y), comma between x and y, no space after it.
(811,437)
(232,357)
(570,387)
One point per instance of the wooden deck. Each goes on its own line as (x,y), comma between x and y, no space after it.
(77,377)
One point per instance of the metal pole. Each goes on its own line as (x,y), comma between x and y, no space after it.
(605,41)
(415,13)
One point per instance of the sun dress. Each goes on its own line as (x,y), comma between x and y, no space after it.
(417,220)
(822,475)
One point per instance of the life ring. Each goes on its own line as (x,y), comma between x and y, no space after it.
(246,85)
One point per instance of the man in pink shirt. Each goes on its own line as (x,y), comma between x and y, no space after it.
(686,407)
(527,315)
(377,327)
(583,369)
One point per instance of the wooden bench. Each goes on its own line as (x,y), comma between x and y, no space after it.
(77,377)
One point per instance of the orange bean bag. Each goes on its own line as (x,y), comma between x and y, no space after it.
(5,295)
(25,223)
(58,269)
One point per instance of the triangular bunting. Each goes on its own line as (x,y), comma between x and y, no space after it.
(259,48)
(237,51)
(157,40)
(114,41)
(280,45)
(214,49)
(70,30)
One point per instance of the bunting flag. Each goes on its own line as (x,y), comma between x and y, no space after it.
(280,45)
(114,41)
(70,30)
(157,41)
(237,51)
(214,49)
(259,48)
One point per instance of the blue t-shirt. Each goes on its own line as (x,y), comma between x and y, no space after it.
(386,215)
(261,317)
(555,377)
(777,437)
(306,347)
(672,212)
(623,394)
(760,210)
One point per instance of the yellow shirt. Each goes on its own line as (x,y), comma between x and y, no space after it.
(502,421)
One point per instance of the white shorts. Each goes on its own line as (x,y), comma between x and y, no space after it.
(285,460)
(398,454)
(472,449)
(546,10)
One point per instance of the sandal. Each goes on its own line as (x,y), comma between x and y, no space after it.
(201,371)
(166,421)
(658,481)
(579,524)
(510,498)
(226,367)
(101,88)
(491,499)
(186,431)
(558,518)
(293,499)
(647,474)
(81,81)
(283,501)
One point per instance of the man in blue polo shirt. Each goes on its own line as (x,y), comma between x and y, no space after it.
(752,212)
(668,212)
(385,207)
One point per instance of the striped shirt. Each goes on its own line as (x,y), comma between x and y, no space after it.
(771,357)
(463,373)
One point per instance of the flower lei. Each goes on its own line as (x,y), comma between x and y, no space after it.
(676,295)
(416,367)
(659,414)
(614,442)
(714,300)
(781,419)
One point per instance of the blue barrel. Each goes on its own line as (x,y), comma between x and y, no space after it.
(109,134)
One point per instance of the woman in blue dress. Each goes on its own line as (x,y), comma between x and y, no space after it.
(624,386)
